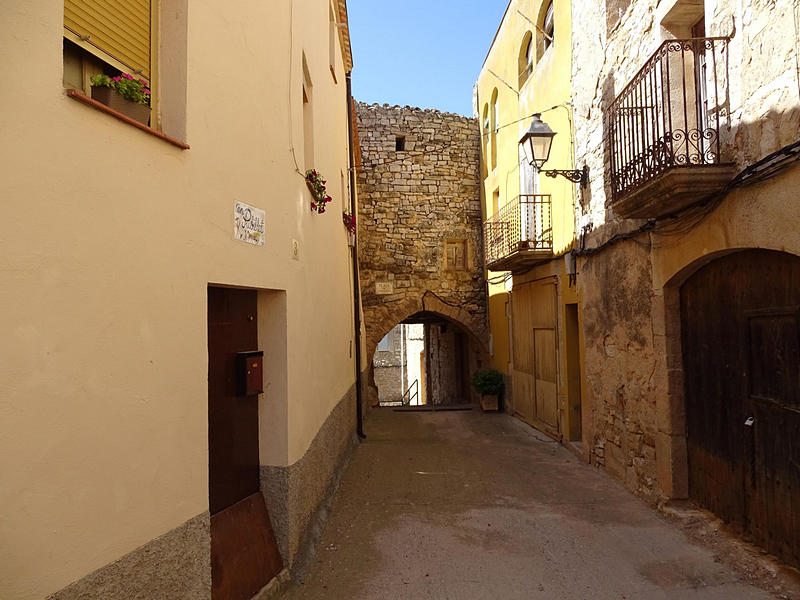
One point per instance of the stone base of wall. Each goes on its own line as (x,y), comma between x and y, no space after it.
(174,566)
(177,565)
(299,496)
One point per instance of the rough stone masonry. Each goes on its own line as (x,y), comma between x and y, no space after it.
(419,198)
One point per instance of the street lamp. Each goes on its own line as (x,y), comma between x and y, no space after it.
(536,144)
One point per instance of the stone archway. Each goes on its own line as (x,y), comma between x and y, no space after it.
(733,354)
(671,457)
(420,242)
(431,310)
(379,319)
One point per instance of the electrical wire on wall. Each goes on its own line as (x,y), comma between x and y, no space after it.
(681,222)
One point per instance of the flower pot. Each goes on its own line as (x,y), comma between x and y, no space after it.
(112,99)
(311,189)
(489,403)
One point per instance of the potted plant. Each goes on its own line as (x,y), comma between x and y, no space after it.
(123,93)
(489,384)
(350,223)
(316,184)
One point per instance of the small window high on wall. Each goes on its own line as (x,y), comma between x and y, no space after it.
(308,116)
(332,35)
(456,254)
(526,58)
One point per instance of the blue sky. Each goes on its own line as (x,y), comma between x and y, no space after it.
(424,53)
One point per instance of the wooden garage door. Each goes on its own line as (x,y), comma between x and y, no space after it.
(741,352)
(535,355)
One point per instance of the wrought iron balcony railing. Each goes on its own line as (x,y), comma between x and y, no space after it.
(520,228)
(669,114)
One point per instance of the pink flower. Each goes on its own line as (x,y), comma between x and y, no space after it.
(127,76)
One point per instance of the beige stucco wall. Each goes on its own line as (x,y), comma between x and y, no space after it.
(109,238)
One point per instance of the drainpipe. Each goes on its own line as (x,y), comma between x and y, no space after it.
(354,254)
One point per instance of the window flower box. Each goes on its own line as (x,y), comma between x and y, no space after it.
(124,94)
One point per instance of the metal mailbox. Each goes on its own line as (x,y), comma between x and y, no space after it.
(250,373)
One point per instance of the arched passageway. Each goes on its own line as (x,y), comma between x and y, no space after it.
(427,359)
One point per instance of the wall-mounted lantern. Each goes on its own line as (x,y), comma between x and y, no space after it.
(536,144)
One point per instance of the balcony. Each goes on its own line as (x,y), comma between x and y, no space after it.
(663,130)
(520,234)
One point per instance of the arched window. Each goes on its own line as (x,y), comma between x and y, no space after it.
(485,138)
(548,30)
(494,125)
(525,58)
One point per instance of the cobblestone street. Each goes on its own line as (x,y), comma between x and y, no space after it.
(461,505)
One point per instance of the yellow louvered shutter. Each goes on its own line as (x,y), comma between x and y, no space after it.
(117,28)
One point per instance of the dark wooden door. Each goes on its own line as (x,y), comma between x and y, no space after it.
(244,553)
(232,419)
(741,350)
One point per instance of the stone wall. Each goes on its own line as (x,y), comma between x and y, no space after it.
(389,381)
(448,383)
(412,201)
(633,411)
(760,112)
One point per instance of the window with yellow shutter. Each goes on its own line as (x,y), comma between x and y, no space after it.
(118,32)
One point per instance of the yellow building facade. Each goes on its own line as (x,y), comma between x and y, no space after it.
(529,229)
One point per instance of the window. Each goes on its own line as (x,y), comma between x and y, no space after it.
(106,37)
(494,128)
(485,140)
(547,30)
(333,34)
(308,117)
(114,37)
(455,253)
(525,58)
(400,143)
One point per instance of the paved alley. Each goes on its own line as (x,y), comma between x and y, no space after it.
(463,505)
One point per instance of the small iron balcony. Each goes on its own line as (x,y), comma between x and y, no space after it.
(663,129)
(520,234)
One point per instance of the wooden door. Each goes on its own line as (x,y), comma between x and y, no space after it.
(244,554)
(741,351)
(535,369)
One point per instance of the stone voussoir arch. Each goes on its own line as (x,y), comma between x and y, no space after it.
(381,319)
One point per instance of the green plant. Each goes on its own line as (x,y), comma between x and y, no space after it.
(135,90)
(317,186)
(488,382)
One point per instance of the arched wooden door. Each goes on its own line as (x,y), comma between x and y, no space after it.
(741,356)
